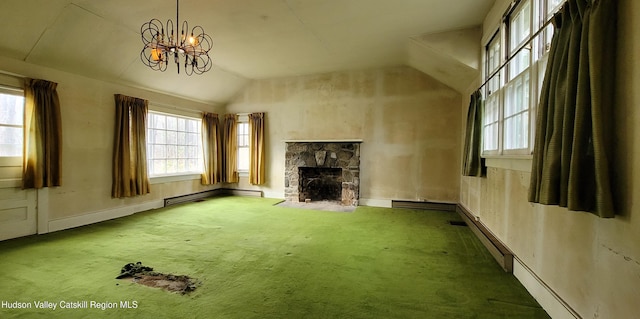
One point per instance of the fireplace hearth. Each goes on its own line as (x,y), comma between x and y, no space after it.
(319,171)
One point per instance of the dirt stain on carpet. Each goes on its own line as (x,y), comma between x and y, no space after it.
(144,275)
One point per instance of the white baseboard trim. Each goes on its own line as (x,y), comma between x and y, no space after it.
(386,203)
(550,301)
(99,216)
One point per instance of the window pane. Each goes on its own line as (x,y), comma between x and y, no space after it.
(172,123)
(172,166)
(160,121)
(552,5)
(10,141)
(159,167)
(172,151)
(520,26)
(519,63)
(159,136)
(517,95)
(516,131)
(11,109)
(11,120)
(243,158)
(182,124)
(192,126)
(490,141)
(172,137)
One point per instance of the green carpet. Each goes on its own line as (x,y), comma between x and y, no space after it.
(256,260)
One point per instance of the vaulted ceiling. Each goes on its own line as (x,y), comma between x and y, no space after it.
(254,39)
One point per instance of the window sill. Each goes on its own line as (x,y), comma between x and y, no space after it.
(173,178)
(243,173)
(515,163)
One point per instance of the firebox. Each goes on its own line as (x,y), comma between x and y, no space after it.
(320,183)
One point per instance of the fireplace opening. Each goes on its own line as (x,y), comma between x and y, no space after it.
(320,183)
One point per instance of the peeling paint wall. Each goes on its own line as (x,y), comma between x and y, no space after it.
(593,264)
(408,121)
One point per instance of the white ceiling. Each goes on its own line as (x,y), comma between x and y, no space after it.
(254,39)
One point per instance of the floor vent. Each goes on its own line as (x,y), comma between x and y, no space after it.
(423,205)
(457,223)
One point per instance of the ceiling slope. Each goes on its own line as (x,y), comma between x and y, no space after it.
(451,57)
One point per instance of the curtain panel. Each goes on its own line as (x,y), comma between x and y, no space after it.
(211,143)
(230,150)
(256,148)
(573,146)
(130,176)
(473,163)
(42,151)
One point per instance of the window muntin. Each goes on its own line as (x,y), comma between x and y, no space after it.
(243,146)
(11,124)
(173,145)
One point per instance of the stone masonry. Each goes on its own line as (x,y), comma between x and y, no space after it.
(344,155)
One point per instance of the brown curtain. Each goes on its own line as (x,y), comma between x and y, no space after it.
(42,152)
(211,144)
(129,149)
(230,157)
(256,148)
(572,154)
(473,162)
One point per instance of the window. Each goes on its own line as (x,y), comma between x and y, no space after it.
(492,105)
(173,145)
(512,92)
(11,122)
(243,145)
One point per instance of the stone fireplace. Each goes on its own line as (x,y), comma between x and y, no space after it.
(322,171)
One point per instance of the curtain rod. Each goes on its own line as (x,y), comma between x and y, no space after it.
(522,46)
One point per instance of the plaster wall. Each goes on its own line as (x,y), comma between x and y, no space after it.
(88,115)
(593,264)
(409,124)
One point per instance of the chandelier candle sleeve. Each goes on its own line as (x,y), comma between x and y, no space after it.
(192,47)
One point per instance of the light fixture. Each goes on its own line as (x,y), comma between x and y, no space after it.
(190,47)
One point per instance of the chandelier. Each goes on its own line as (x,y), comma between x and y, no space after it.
(190,49)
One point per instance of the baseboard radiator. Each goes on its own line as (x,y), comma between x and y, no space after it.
(212,193)
(499,251)
(449,207)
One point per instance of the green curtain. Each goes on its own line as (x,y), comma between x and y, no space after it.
(573,147)
(256,149)
(42,158)
(230,149)
(130,176)
(211,143)
(473,163)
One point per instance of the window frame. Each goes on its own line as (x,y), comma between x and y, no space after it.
(199,159)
